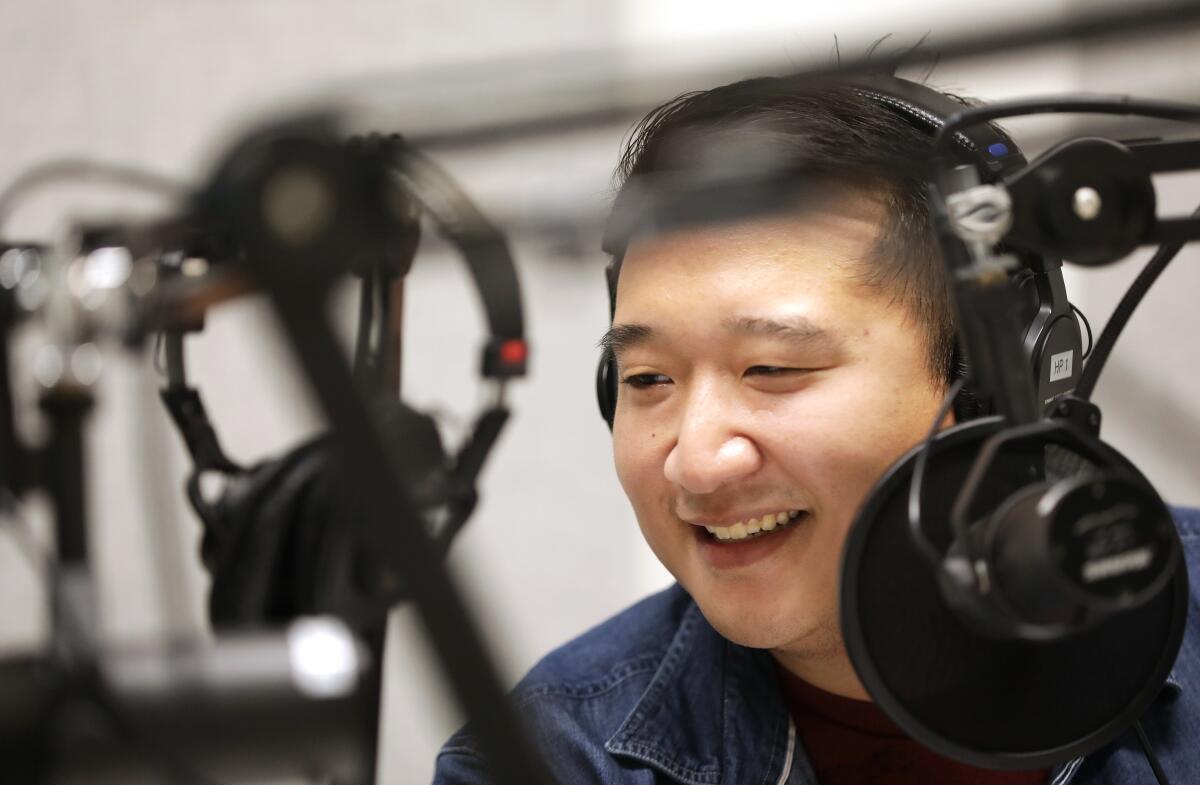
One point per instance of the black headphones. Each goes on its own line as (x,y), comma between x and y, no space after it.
(270,543)
(1051,337)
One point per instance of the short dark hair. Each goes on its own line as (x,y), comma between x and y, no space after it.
(826,129)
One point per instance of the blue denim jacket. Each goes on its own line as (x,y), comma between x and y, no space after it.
(656,695)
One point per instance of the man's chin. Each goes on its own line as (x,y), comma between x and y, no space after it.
(757,625)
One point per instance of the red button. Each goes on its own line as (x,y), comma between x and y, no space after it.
(513,352)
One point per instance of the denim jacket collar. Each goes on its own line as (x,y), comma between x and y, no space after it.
(699,735)
(1064,773)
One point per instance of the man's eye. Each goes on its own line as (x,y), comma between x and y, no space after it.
(640,381)
(772,370)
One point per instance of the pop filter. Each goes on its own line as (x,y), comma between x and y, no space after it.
(986,699)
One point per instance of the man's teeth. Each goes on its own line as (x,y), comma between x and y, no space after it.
(754,526)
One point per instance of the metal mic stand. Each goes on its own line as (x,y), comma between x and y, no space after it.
(262,705)
(295,265)
(10,453)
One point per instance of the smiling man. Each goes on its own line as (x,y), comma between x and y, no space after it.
(767,367)
(763,390)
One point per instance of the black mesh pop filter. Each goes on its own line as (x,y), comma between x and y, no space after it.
(999,704)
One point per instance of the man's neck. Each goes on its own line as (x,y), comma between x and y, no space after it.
(831,673)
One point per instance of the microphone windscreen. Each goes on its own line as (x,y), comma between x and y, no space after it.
(976,697)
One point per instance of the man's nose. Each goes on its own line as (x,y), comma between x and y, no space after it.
(710,451)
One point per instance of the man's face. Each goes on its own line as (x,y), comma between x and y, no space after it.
(760,377)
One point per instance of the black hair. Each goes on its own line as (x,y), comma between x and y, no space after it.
(827,130)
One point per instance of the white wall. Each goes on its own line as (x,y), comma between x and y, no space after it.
(552,548)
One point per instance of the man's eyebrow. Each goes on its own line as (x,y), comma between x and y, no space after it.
(623,336)
(796,329)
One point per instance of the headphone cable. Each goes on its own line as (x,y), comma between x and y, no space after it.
(916,485)
(1151,758)
(83,170)
(1086,326)
(1120,317)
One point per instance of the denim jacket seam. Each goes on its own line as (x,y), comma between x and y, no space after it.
(1065,772)
(618,676)
(635,749)
(523,699)
(460,749)
(621,743)
(665,669)
(651,754)
(769,774)
(779,728)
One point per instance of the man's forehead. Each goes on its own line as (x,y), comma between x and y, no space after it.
(843,212)
(654,204)
(825,244)
(751,282)
(787,278)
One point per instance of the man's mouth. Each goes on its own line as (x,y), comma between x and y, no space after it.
(755,527)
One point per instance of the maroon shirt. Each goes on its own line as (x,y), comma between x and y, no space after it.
(852,742)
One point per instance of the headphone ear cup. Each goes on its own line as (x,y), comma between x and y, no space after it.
(273,544)
(332,562)
(413,440)
(606,387)
(252,535)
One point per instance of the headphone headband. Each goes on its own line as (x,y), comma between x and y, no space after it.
(287,505)
(483,248)
(988,147)
(983,145)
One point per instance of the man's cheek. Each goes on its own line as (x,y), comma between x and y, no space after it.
(638,455)
(628,472)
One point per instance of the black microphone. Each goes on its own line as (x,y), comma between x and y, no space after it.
(1012,590)
(1040,639)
